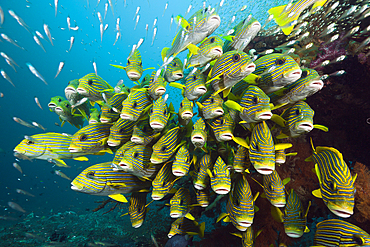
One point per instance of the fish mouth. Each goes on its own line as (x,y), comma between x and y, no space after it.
(222,191)
(218,112)
(279,205)
(156,126)
(238,170)
(217,51)
(137,140)
(73,150)
(256,25)
(104,120)
(197,139)
(58,109)
(156,197)
(123,165)
(204,205)
(137,225)
(307,126)
(293,75)
(187,115)
(175,215)
(93,121)
(215,20)
(317,85)
(178,173)
(52,105)
(155,161)
(294,234)
(226,137)
(70,90)
(126,116)
(170,235)
(177,75)
(244,223)
(341,213)
(75,188)
(113,143)
(200,90)
(199,187)
(264,116)
(160,91)
(81,91)
(265,171)
(248,68)
(280,160)
(134,76)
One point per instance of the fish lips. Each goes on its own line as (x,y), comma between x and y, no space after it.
(226,136)
(82,91)
(244,223)
(305,126)
(340,211)
(216,51)
(157,126)
(113,143)
(293,75)
(73,149)
(186,115)
(248,68)
(316,85)
(58,109)
(157,197)
(264,115)
(137,140)
(134,76)
(198,140)
(127,116)
(294,234)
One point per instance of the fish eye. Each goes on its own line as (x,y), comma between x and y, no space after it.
(255,100)
(165,112)
(128,90)
(151,110)
(136,155)
(280,61)
(128,61)
(212,100)
(83,138)
(141,63)
(304,73)
(111,110)
(181,203)
(194,78)
(144,128)
(163,149)
(174,64)
(59,100)
(134,105)
(90,174)
(90,82)
(181,105)
(212,40)
(222,121)
(121,131)
(297,112)
(333,186)
(67,105)
(30,142)
(359,240)
(271,187)
(236,58)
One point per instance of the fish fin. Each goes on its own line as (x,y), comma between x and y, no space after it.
(172,191)
(281,19)
(281,146)
(189,216)
(118,197)
(209,173)
(200,106)
(238,234)
(306,230)
(321,127)
(226,92)
(118,66)
(222,215)
(241,142)
(277,214)
(308,208)
(232,97)
(281,136)
(82,158)
(148,68)
(256,196)
(291,154)
(124,214)
(177,85)
(354,178)
(286,180)
(193,49)
(61,163)
(226,219)
(317,193)
(263,195)
(278,120)
(218,77)
(318,172)
(144,190)
(202,227)
(229,38)
(184,23)
(92,103)
(63,122)
(318,3)
(164,52)
(252,79)
(309,159)
(233,105)
(256,209)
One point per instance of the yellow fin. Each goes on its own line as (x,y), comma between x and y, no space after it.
(226,92)
(309,159)
(172,191)
(240,141)
(308,208)
(317,193)
(202,227)
(184,23)
(238,234)
(164,52)
(193,49)
(321,127)
(277,214)
(306,230)
(232,97)
(209,173)
(263,195)
(189,216)
(318,3)
(233,105)
(118,197)
(228,38)
(256,196)
(286,180)
(281,136)
(60,163)
(118,66)
(82,158)
(281,146)
(124,214)
(318,172)
(251,79)
(256,209)
(354,178)
(222,215)
(226,219)
(291,154)
(200,106)
(148,68)
(278,120)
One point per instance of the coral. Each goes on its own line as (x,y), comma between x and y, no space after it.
(362,196)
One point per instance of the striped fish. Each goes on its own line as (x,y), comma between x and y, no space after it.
(159,114)
(94,116)
(101,180)
(120,132)
(285,16)
(262,149)
(241,159)
(195,86)
(91,139)
(243,33)
(71,92)
(143,134)
(145,81)
(248,237)
(185,111)
(181,163)
(174,70)
(184,226)
(166,146)
(134,66)
(335,232)
(157,87)
(208,50)
(110,110)
(180,203)
(137,209)
(240,206)
(274,189)
(48,146)
(64,111)
(137,104)
(222,127)
(307,85)
(118,155)
(229,69)
(92,86)
(54,101)
(200,25)
(203,197)
(336,183)
(276,71)
(220,177)
(163,182)
(295,216)
(202,177)
(136,161)
(211,107)
(299,119)
(199,134)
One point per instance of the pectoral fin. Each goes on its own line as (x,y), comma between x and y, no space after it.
(118,197)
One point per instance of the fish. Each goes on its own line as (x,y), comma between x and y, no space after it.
(211,107)
(180,204)
(230,68)
(243,33)
(22,122)
(48,145)
(194,86)
(38,126)
(199,134)
(137,21)
(6,37)
(174,70)
(71,92)
(9,58)
(40,35)
(179,241)
(56,7)
(111,110)
(136,105)
(38,42)
(336,182)
(120,132)
(19,20)
(105,10)
(69,22)
(95,68)
(167,145)
(160,114)
(91,86)
(16,206)
(38,103)
(137,209)
(18,167)
(23,192)
(248,237)
(64,111)
(220,177)
(157,85)
(6,77)
(137,11)
(36,73)
(163,182)
(60,67)
(182,162)
(2,16)
(286,15)
(120,153)
(203,197)
(210,49)
(11,65)
(111,6)
(254,105)
(143,134)
(222,127)
(202,178)
(134,67)
(61,174)
(183,226)
(94,116)
(274,189)
(91,139)
(54,102)
(71,41)
(199,26)
(101,180)
(47,32)
(338,232)
(185,113)
(241,159)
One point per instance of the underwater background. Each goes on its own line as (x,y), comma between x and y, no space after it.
(58,214)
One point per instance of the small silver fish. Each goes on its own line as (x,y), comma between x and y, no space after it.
(137,11)
(56,7)
(165,8)
(23,192)
(38,103)
(60,67)
(18,167)
(99,16)
(137,21)
(36,73)
(6,77)
(154,34)
(71,41)
(19,20)
(101,32)
(15,206)
(47,32)
(69,22)
(38,42)
(24,123)
(105,10)
(1,16)
(38,126)
(6,37)
(95,69)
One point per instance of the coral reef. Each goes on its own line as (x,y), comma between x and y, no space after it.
(362,195)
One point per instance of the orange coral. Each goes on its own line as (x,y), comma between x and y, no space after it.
(362,196)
